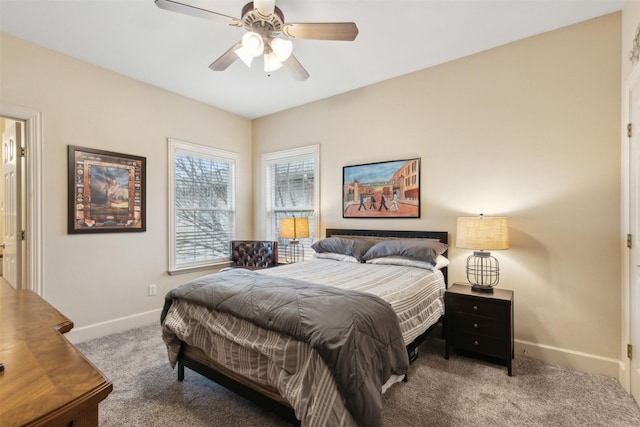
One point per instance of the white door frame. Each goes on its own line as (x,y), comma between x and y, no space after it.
(34,226)
(625,335)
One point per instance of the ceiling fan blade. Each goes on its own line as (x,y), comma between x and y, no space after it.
(226,59)
(175,6)
(346,31)
(295,68)
(265,7)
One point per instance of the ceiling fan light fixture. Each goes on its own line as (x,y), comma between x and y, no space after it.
(271,62)
(281,48)
(253,43)
(245,56)
(263,20)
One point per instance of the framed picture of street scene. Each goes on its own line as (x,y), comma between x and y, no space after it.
(106,191)
(382,190)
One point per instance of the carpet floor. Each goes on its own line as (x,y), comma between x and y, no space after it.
(460,391)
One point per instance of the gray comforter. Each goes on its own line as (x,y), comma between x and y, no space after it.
(356,334)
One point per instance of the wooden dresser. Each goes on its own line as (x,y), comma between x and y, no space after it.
(46,380)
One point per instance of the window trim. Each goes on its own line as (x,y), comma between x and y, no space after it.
(176,146)
(288,155)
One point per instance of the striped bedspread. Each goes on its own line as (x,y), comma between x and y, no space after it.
(293,367)
(415,294)
(267,357)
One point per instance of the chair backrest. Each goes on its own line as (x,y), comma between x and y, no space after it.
(254,253)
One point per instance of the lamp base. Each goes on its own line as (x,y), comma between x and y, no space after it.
(482,288)
(294,252)
(483,271)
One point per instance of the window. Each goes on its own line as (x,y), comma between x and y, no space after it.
(202,217)
(291,179)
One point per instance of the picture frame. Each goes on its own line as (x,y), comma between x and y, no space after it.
(107,191)
(389,189)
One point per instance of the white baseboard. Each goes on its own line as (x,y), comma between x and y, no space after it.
(571,359)
(98,330)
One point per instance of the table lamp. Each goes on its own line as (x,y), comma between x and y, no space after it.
(482,234)
(294,228)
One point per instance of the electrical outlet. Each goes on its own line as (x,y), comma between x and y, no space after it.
(152,290)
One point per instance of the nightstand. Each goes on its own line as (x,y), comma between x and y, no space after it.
(480,322)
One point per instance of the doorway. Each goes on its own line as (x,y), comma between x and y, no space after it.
(12,207)
(33,183)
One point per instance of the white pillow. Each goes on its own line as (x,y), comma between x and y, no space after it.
(336,257)
(441,262)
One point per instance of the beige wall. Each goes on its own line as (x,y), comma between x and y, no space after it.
(530,130)
(103,278)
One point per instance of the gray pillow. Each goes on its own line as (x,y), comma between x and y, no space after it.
(339,245)
(360,247)
(423,250)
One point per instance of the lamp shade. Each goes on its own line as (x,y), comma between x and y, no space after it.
(281,48)
(271,62)
(293,228)
(482,233)
(253,43)
(244,55)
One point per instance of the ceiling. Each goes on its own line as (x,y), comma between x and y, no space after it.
(173,51)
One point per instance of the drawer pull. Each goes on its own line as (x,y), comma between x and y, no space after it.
(475,325)
(475,343)
(475,308)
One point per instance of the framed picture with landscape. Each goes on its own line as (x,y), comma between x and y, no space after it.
(106,191)
(382,190)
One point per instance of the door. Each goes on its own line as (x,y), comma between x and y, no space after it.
(11,239)
(634,230)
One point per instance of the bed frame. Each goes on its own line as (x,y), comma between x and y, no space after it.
(269,397)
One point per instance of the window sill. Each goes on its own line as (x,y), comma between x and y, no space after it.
(214,266)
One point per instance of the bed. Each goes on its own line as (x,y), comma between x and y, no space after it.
(297,378)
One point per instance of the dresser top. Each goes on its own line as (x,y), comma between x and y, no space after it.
(46,379)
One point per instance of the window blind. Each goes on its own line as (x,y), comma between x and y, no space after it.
(292,190)
(203,200)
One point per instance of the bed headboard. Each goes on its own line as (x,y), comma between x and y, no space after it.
(442,236)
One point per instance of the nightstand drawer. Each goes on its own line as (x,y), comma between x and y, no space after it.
(478,307)
(482,344)
(479,325)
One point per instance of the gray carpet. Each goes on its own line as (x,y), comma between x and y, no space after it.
(456,392)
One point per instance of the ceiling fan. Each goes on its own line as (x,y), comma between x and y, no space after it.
(265,24)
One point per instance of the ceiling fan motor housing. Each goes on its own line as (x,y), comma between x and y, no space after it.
(268,26)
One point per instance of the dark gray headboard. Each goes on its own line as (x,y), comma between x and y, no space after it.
(442,236)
